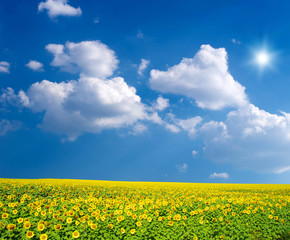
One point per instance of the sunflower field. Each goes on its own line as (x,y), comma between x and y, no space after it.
(81,209)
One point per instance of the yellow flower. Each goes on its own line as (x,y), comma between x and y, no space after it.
(11,227)
(14,211)
(110,226)
(170,223)
(270,216)
(5,215)
(43,237)
(75,234)
(29,234)
(40,227)
(123,230)
(138,224)
(93,226)
(220,218)
(69,220)
(57,227)
(276,217)
(149,219)
(20,220)
(27,225)
(132,231)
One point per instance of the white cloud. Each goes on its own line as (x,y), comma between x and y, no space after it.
(205,78)
(143,65)
(250,138)
(8,96)
(8,126)
(86,105)
(91,58)
(161,104)
(219,175)
(4,67)
(194,153)
(89,104)
(189,125)
(34,65)
(182,168)
(57,8)
(96,20)
(138,129)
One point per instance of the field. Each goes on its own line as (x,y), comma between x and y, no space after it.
(68,209)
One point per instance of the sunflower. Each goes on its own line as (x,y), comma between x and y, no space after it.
(5,215)
(11,227)
(132,231)
(93,226)
(20,220)
(29,234)
(123,230)
(40,227)
(110,226)
(43,237)
(69,220)
(139,224)
(27,225)
(170,223)
(57,227)
(75,234)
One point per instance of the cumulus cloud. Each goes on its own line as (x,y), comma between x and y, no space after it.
(35,65)
(143,65)
(9,97)
(92,103)
(8,126)
(219,175)
(86,105)
(4,67)
(189,125)
(161,104)
(250,138)
(205,78)
(91,58)
(57,8)
(182,168)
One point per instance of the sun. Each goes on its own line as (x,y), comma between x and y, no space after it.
(263,58)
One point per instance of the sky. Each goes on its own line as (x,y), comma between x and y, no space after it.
(173,91)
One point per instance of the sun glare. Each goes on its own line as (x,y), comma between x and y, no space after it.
(263,58)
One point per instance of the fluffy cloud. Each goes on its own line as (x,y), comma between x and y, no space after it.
(205,78)
(91,58)
(250,138)
(92,103)
(219,175)
(7,126)
(4,67)
(161,104)
(34,65)
(182,168)
(57,8)
(143,65)
(8,97)
(86,105)
(189,125)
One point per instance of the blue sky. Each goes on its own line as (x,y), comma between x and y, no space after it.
(190,91)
